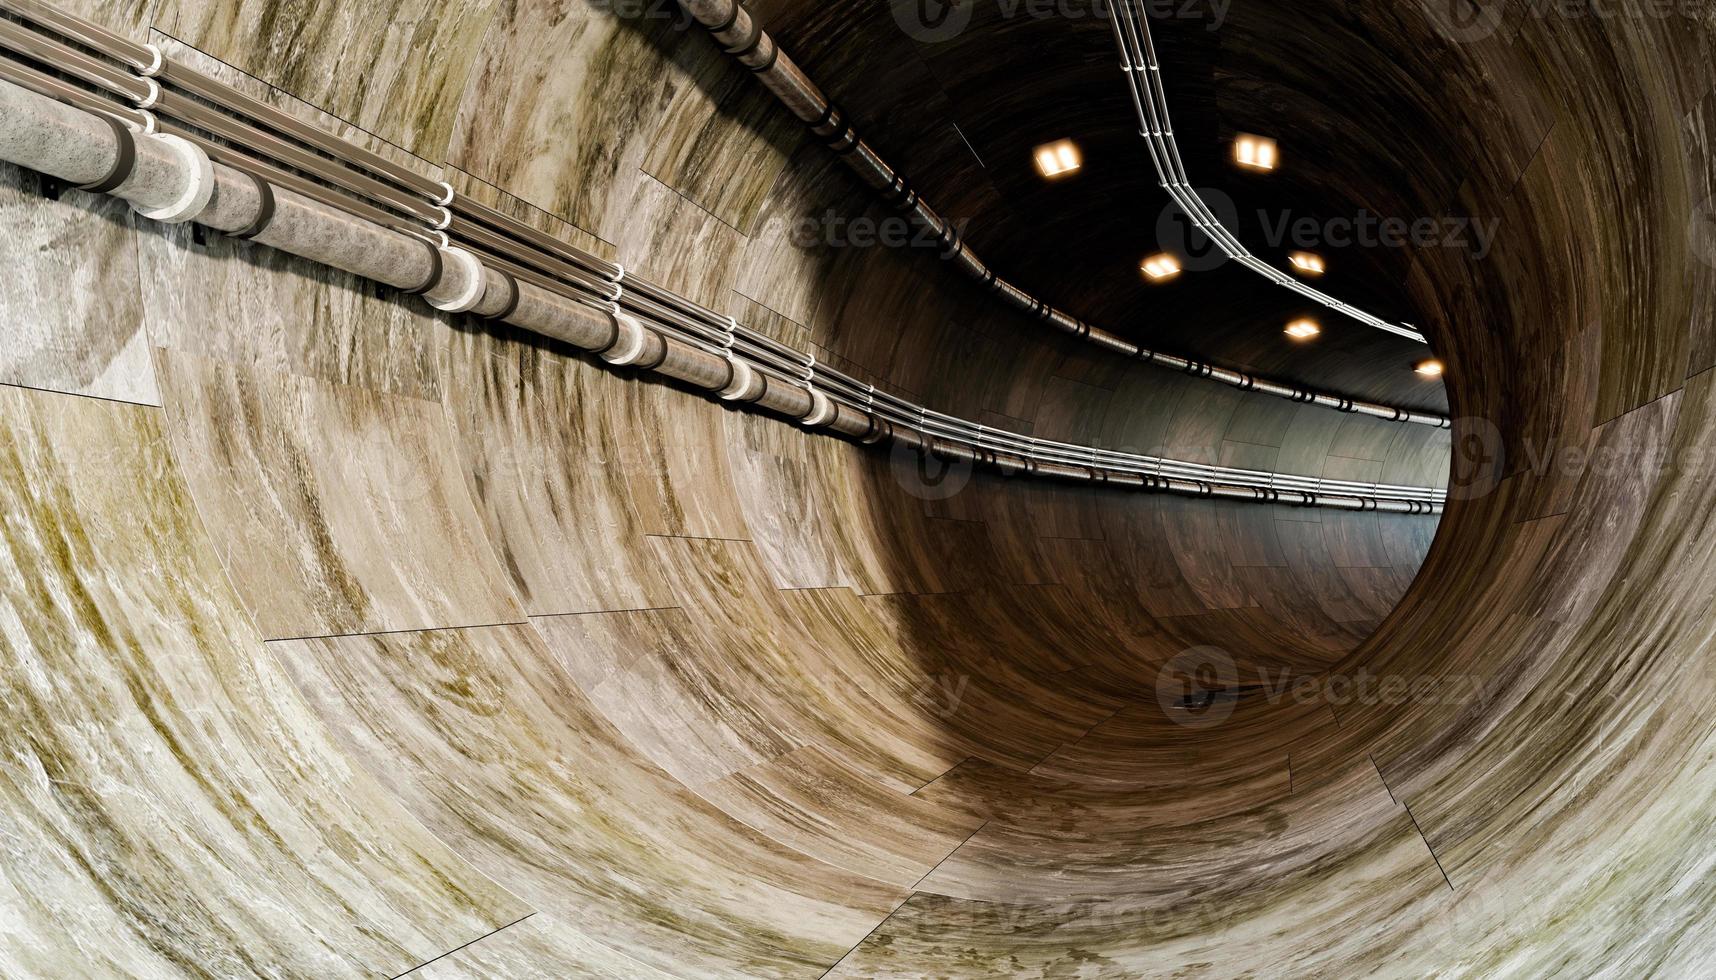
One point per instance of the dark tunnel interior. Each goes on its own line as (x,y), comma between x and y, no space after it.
(489,491)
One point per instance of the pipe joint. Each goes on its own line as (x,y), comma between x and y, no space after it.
(457,263)
(628,345)
(744,387)
(199,183)
(821,410)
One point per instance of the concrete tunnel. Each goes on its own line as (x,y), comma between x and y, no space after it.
(857,489)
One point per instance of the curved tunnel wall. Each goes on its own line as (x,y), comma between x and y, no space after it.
(383,635)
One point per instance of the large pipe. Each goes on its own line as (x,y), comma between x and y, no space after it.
(172,179)
(253,125)
(741,35)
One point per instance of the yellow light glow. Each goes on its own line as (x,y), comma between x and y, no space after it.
(1160,267)
(1303,329)
(1430,369)
(1255,152)
(1057,159)
(1307,263)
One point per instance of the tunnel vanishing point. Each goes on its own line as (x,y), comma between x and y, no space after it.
(858,488)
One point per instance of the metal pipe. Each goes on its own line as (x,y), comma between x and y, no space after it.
(90,35)
(742,36)
(174,75)
(147,91)
(1143,73)
(56,88)
(22,41)
(176,106)
(171,178)
(476,222)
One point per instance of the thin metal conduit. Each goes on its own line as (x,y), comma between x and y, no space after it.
(176,174)
(741,35)
(1150,100)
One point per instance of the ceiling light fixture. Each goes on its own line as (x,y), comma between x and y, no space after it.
(1160,267)
(1429,369)
(1303,329)
(1057,159)
(1143,76)
(1255,152)
(1307,263)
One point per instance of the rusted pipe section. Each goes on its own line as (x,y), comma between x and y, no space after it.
(742,36)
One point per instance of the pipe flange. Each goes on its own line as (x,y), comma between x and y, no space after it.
(821,410)
(446,219)
(743,378)
(199,183)
(124,160)
(628,343)
(515,295)
(447,198)
(467,300)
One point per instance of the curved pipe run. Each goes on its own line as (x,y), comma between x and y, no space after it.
(174,180)
(1150,101)
(382,191)
(741,35)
